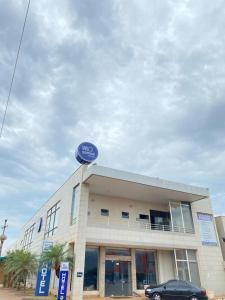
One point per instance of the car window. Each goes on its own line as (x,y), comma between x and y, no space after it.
(177,284)
(172,284)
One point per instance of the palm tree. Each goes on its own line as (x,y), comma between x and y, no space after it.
(20,265)
(55,256)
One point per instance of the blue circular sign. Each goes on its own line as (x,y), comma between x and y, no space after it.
(86,153)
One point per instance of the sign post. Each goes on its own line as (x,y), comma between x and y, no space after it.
(63,280)
(44,273)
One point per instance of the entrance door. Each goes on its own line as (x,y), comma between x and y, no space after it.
(117,278)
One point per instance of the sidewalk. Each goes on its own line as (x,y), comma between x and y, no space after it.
(12,294)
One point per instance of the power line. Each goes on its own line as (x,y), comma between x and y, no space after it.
(14,69)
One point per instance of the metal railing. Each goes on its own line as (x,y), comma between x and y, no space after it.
(165,227)
(106,222)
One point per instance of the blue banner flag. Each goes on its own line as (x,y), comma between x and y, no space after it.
(43,280)
(44,273)
(63,280)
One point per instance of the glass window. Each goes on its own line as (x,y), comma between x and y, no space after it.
(143,217)
(181,254)
(91,269)
(176,215)
(145,269)
(125,214)
(52,220)
(195,278)
(187,266)
(74,205)
(118,252)
(182,267)
(28,237)
(182,217)
(104,212)
(191,255)
(187,215)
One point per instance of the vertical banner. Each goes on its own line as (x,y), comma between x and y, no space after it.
(44,273)
(63,280)
(207,229)
(43,280)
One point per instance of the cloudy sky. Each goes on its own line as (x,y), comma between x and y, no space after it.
(144,80)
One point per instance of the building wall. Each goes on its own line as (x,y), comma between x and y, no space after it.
(210,258)
(115,231)
(220,224)
(65,232)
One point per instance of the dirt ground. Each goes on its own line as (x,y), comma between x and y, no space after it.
(11,294)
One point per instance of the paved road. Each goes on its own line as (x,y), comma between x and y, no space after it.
(9,294)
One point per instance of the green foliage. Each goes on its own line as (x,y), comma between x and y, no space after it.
(20,265)
(56,255)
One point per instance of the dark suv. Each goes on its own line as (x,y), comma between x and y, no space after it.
(176,290)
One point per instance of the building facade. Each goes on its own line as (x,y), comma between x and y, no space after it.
(128,231)
(220,224)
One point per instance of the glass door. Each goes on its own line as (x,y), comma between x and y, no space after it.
(117,278)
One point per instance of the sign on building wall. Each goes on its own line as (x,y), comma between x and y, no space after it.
(44,273)
(47,245)
(63,280)
(207,229)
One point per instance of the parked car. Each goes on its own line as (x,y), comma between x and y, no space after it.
(176,290)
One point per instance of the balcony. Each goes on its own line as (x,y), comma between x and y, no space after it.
(138,225)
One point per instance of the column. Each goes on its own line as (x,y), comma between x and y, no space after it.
(80,243)
(133,270)
(101,281)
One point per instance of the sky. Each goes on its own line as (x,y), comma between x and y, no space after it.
(143,80)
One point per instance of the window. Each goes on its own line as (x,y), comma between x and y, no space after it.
(28,237)
(52,220)
(104,212)
(125,214)
(181,216)
(177,284)
(74,205)
(143,217)
(187,266)
(91,269)
(145,268)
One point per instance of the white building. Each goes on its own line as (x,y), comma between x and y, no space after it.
(135,231)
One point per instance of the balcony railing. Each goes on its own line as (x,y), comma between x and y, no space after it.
(137,225)
(164,227)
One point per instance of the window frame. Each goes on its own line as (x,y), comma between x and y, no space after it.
(188,261)
(105,213)
(28,237)
(52,220)
(125,215)
(74,205)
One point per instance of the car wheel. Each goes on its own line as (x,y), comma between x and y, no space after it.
(194,298)
(156,296)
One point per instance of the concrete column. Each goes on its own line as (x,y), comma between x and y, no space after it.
(160,266)
(101,276)
(166,264)
(133,270)
(80,243)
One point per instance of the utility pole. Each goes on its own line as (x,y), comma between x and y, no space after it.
(3,237)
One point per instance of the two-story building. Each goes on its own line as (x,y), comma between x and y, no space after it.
(128,231)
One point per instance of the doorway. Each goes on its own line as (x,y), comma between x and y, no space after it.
(118,278)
